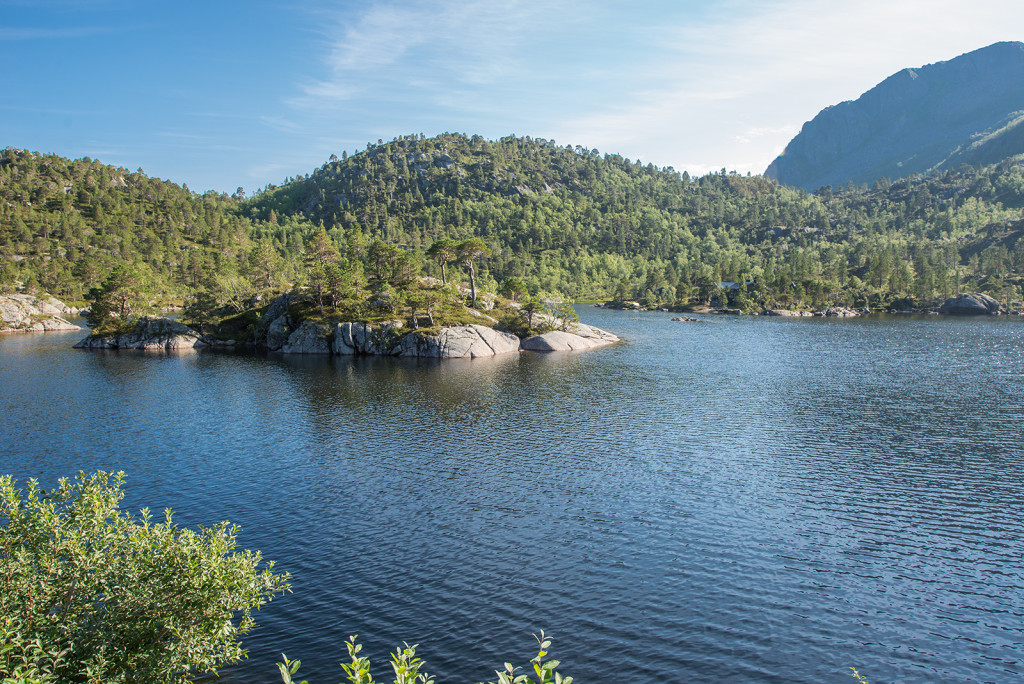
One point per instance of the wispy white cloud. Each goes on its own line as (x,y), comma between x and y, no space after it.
(180,135)
(736,85)
(697,86)
(280,123)
(427,46)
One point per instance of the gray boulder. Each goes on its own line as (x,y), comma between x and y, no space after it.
(577,338)
(787,313)
(150,334)
(556,340)
(310,338)
(277,308)
(597,336)
(51,324)
(969,304)
(416,345)
(837,312)
(474,341)
(348,338)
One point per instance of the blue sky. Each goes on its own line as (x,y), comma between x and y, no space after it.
(224,94)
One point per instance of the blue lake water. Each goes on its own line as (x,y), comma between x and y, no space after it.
(741,499)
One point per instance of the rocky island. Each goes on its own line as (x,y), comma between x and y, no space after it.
(284,327)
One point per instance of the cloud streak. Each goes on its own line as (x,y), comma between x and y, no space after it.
(428,47)
(737,85)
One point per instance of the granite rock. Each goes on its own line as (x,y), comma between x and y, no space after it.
(310,338)
(969,304)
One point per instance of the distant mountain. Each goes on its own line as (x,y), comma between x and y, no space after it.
(967,110)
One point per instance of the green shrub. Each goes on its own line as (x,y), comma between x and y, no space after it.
(89,593)
(403,661)
(407,667)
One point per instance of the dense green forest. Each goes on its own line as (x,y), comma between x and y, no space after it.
(563,220)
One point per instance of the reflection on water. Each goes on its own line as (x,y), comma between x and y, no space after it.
(733,500)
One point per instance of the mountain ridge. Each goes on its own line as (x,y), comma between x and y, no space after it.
(963,110)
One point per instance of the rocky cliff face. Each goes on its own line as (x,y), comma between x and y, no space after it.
(966,110)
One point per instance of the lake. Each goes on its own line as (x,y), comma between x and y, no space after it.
(743,499)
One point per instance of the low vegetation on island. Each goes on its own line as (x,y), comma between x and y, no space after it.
(373,300)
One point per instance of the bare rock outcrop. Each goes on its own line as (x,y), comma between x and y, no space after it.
(837,312)
(969,304)
(310,338)
(278,333)
(474,341)
(577,337)
(29,313)
(363,339)
(149,334)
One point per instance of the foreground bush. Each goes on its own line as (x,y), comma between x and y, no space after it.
(89,593)
(407,667)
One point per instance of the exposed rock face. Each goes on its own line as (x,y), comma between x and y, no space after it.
(577,338)
(276,324)
(28,313)
(969,304)
(278,333)
(458,342)
(151,334)
(53,323)
(351,339)
(965,110)
(310,338)
(837,312)
(598,336)
(787,313)
(474,341)
(277,308)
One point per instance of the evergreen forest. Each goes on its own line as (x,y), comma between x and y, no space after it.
(546,219)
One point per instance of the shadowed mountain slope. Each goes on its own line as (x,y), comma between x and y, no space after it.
(966,110)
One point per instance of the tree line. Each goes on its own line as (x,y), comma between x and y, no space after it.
(565,220)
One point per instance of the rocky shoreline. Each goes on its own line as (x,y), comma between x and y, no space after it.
(452,342)
(153,334)
(963,304)
(280,333)
(29,313)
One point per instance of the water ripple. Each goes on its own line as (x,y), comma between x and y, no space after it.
(740,500)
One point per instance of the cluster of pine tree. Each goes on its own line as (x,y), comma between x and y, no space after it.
(552,219)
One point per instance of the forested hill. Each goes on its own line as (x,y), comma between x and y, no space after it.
(64,224)
(565,220)
(574,221)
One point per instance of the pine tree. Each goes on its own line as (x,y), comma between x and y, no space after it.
(468,252)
